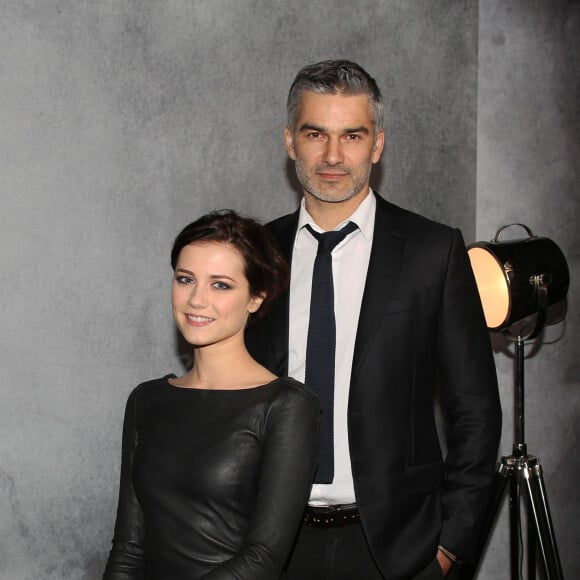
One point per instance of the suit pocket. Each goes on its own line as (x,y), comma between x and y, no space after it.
(431,572)
(389,486)
(420,479)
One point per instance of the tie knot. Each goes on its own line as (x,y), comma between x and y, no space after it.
(327,241)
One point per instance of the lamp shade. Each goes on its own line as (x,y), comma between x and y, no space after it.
(505,273)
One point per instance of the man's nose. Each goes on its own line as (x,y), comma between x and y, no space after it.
(333,152)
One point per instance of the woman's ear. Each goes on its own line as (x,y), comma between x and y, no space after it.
(256,302)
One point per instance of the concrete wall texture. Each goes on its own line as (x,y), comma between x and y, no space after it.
(122,121)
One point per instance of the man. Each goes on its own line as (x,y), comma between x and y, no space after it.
(407,317)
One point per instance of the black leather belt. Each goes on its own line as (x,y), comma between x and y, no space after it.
(334,516)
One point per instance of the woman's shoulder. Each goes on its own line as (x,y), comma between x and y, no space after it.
(151,387)
(292,390)
(293,409)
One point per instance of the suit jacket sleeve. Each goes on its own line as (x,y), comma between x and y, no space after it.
(471,404)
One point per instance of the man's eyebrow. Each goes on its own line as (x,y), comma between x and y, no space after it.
(361,129)
(309,127)
(347,131)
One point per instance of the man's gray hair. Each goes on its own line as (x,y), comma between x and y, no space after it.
(335,77)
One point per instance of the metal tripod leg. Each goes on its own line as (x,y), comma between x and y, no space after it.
(521,470)
(515,519)
(538,500)
(526,472)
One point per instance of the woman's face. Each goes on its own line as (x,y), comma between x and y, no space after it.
(211,294)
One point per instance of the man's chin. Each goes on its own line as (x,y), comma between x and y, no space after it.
(334,197)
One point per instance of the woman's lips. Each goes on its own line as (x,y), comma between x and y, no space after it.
(197,320)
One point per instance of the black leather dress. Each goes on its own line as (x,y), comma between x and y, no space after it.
(213,482)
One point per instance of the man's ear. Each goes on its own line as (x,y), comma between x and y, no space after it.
(256,302)
(378,146)
(289,143)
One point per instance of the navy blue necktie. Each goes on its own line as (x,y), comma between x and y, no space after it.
(321,345)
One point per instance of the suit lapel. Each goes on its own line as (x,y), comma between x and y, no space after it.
(384,268)
(284,230)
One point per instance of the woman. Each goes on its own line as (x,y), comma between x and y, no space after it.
(217,464)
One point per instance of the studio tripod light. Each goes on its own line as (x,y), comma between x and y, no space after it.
(519,282)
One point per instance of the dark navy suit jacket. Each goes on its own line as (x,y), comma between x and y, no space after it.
(421,329)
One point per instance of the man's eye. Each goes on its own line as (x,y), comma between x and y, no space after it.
(353,137)
(314,135)
(219,285)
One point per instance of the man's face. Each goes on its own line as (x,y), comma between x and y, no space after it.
(334,146)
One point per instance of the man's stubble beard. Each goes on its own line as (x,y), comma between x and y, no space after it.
(359,181)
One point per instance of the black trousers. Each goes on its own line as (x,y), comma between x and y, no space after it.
(340,554)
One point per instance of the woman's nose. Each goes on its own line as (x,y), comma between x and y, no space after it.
(198,297)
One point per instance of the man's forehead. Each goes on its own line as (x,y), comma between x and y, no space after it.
(335,108)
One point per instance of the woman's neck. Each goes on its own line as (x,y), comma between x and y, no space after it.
(224,366)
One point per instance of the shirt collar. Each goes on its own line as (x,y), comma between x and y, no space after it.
(363,217)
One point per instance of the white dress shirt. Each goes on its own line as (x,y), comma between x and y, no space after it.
(350,260)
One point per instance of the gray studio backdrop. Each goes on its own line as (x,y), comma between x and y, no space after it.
(121,121)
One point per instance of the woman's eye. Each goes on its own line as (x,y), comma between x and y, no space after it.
(184,279)
(221,285)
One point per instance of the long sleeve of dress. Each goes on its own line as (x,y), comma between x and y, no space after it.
(127,556)
(287,472)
